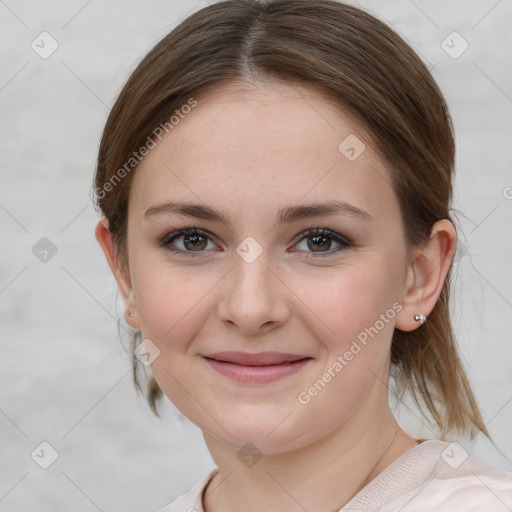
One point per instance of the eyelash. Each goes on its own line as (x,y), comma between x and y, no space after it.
(344,242)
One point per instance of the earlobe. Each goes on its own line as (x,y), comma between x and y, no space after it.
(131,316)
(105,239)
(426,275)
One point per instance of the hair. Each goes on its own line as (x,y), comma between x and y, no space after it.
(370,71)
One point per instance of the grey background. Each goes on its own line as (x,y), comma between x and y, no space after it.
(65,376)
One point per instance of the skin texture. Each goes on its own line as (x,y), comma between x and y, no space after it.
(249,150)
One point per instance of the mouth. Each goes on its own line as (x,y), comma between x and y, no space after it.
(259,368)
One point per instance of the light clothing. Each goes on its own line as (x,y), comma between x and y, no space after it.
(433,476)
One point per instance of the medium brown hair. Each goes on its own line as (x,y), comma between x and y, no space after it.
(368,69)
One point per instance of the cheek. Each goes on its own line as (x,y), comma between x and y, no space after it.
(173,306)
(356,313)
(172,302)
(352,300)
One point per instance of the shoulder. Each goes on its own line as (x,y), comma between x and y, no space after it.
(436,475)
(191,501)
(466,483)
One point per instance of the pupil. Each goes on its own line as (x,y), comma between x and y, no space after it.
(195,240)
(317,242)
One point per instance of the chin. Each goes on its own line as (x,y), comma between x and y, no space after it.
(261,430)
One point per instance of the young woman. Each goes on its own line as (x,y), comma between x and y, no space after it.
(275,181)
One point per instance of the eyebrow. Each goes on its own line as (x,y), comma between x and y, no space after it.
(285,215)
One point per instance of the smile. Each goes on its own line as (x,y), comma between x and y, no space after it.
(261,368)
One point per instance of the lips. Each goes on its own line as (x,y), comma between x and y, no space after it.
(258,359)
(257,368)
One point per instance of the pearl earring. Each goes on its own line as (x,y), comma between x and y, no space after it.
(131,314)
(420,318)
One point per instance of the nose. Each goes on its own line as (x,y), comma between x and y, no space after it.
(254,299)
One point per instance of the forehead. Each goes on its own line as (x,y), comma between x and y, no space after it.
(258,144)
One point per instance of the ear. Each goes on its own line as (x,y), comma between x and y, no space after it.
(426,274)
(106,241)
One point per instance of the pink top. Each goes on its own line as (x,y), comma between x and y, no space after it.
(433,476)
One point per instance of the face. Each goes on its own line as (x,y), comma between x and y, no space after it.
(273,313)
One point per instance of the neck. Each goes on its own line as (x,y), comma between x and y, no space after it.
(323,476)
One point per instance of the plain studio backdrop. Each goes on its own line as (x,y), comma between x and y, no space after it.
(65,377)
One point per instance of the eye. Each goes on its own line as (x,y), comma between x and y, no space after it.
(320,241)
(193,241)
(187,241)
